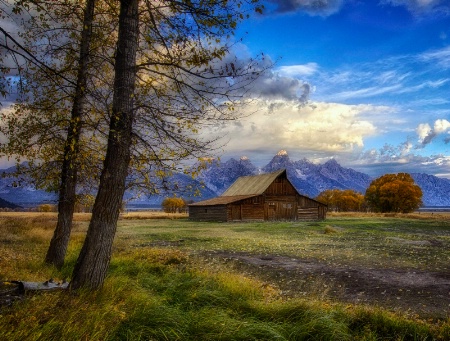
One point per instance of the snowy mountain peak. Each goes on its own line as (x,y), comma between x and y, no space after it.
(309,178)
(332,162)
(279,161)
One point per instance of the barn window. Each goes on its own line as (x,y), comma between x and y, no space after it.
(206,210)
(255,200)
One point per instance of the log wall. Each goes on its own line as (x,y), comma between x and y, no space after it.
(208,213)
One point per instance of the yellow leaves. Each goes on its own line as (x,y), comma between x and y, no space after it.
(394,193)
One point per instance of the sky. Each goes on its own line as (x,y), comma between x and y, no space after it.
(364,82)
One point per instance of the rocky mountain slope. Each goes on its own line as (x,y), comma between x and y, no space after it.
(310,179)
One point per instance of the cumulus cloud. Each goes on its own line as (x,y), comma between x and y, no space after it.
(312,7)
(318,126)
(272,85)
(426,133)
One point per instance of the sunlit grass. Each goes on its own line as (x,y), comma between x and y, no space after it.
(159,288)
(367,242)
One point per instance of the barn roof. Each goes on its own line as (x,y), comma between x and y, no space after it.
(252,185)
(221,200)
(243,188)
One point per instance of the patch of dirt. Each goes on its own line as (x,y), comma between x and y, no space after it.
(418,293)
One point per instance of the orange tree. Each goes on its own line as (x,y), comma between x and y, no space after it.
(342,200)
(173,205)
(394,193)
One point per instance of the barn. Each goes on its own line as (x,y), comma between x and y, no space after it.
(262,197)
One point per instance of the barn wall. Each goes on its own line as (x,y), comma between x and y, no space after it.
(281,186)
(280,201)
(208,213)
(306,202)
(309,209)
(252,211)
(248,209)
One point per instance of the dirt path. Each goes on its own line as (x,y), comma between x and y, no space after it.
(420,293)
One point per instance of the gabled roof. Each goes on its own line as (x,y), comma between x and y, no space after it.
(243,188)
(252,185)
(221,200)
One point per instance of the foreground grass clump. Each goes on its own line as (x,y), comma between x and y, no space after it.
(163,293)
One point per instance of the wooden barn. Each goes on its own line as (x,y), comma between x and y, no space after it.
(268,196)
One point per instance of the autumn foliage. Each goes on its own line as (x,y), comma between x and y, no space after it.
(174,205)
(394,193)
(342,200)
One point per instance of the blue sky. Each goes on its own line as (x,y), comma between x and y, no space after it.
(364,82)
(376,75)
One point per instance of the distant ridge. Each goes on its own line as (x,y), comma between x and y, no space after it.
(7,204)
(309,178)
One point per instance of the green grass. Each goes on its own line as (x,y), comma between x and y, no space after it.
(419,244)
(166,293)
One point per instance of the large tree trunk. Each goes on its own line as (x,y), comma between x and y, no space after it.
(93,261)
(58,245)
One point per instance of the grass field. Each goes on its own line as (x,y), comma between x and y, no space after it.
(350,277)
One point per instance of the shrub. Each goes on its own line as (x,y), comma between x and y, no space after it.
(46,208)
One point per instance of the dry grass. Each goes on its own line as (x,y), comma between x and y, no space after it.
(441,216)
(152,215)
(161,293)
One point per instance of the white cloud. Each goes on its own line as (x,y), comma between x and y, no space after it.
(317,126)
(426,133)
(299,70)
(441,126)
(365,92)
(422,7)
(440,57)
(423,130)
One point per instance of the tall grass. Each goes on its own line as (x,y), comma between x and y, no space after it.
(164,294)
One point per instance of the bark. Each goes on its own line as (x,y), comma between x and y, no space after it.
(93,261)
(67,191)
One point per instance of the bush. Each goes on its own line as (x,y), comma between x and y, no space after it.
(46,208)
(174,205)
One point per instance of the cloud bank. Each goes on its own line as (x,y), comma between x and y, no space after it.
(316,126)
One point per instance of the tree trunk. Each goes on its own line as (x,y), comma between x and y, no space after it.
(66,204)
(93,261)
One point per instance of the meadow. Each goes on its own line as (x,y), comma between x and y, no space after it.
(350,277)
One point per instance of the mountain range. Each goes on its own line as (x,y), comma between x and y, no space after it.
(309,178)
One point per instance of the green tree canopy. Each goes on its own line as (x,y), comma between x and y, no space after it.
(394,193)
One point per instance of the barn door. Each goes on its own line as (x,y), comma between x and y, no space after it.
(236,212)
(270,211)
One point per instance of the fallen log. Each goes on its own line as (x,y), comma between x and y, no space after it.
(41,286)
(11,291)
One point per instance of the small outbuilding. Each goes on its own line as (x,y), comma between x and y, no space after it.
(262,197)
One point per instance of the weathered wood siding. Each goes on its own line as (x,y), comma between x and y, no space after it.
(280,201)
(208,213)
(309,209)
(308,213)
(248,209)
(281,186)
